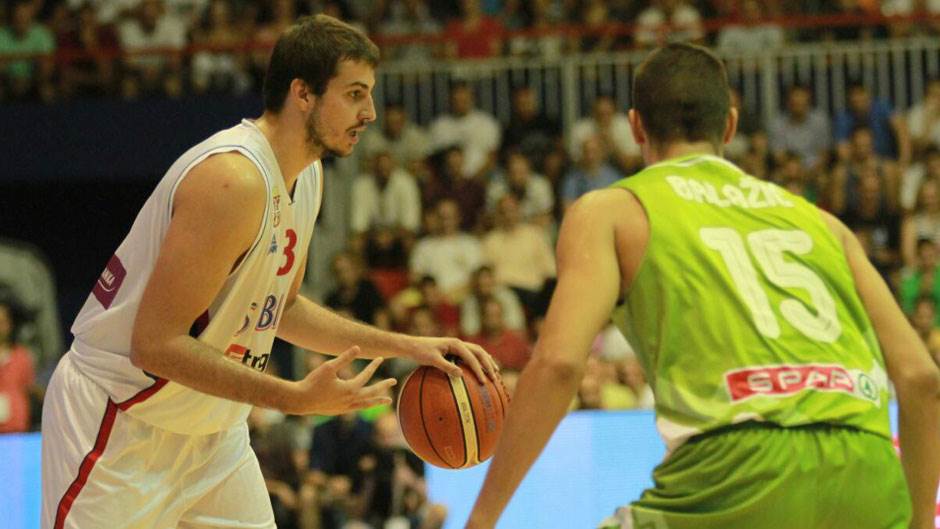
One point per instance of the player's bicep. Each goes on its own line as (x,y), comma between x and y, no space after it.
(217,211)
(588,283)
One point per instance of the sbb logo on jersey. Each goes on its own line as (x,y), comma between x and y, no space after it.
(789,379)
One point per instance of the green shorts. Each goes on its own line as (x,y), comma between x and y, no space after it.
(760,476)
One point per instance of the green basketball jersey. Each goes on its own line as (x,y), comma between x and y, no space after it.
(744,307)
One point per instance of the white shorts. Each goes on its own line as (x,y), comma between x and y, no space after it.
(103,468)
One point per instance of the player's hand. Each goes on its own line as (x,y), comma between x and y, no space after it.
(323,392)
(433,352)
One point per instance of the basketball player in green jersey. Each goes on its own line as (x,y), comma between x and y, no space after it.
(767,336)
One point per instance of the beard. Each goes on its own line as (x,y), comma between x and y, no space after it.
(315,135)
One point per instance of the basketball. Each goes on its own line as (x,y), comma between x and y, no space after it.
(449,421)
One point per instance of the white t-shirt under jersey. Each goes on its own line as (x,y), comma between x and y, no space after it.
(241,321)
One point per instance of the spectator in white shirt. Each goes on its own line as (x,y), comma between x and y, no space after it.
(450,257)
(923,119)
(668,21)
(532,190)
(152,30)
(752,35)
(613,129)
(475,131)
(801,129)
(407,142)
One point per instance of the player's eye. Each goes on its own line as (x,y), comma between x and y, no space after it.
(356,94)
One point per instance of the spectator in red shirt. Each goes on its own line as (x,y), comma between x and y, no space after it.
(475,36)
(509,348)
(16,373)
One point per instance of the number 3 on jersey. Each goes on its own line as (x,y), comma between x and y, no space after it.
(767,248)
(288,252)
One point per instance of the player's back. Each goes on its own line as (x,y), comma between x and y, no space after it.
(744,307)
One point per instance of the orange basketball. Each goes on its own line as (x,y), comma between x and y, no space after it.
(449,421)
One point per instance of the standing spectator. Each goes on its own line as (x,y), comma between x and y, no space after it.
(926,167)
(923,222)
(889,129)
(16,370)
(410,18)
(923,119)
(89,53)
(668,21)
(922,278)
(354,292)
(924,321)
(474,35)
(386,213)
(593,172)
(521,256)
(507,346)
(802,129)
(532,191)
(448,181)
(450,257)
(407,142)
(530,130)
(752,35)
(484,287)
(221,66)
(475,131)
(154,42)
(28,77)
(612,128)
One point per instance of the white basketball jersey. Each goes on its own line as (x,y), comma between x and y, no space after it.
(242,320)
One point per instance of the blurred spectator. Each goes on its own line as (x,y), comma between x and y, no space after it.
(530,130)
(446,314)
(921,279)
(450,257)
(668,21)
(923,119)
(889,130)
(923,222)
(532,191)
(543,19)
(281,446)
(423,322)
(474,35)
(597,33)
(475,131)
(752,35)
(872,217)
(613,129)
(484,287)
(757,160)
(221,66)
(447,181)
(28,77)
(856,158)
(409,18)
(521,256)
(89,52)
(281,14)
(17,378)
(408,143)
(927,167)
(592,172)
(795,178)
(508,347)
(801,129)
(154,42)
(386,213)
(906,8)
(354,292)
(924,320)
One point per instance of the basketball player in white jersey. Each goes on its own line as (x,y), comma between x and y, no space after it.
(144,419)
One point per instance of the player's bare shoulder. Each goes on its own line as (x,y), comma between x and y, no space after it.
(226,180)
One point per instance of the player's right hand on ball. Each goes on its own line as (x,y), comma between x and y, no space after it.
(323,392)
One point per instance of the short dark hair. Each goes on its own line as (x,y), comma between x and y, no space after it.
(311,50)
(681,92)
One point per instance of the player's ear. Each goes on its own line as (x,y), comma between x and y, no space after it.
(731,126)
(636,126)
(301,92)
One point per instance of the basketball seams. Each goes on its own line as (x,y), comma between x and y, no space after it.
(424,426)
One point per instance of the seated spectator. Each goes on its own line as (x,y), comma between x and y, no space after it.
(613,129)
(907,8)
(447,181)
(592,172)
(450,257)
(17,376)
(752,35)
(475,131)
(354,292)
(223,68)
(923,119)
(925,167)
(532,191)
(668,21)
(386,213)
(521,256)
(89,51)
(924,320)
(923,222)
(508,347)
(801,129)
(407,142)
(278,16)
(446,314)
(890,135)
(922,279)
(530,131)
(546,21)
(597,36)
(485,287)
(147,37)
(872,213)
(856,158)
(28,78)
(409,18)
(793,176)
(281,447)
(474,35)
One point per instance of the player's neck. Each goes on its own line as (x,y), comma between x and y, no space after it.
(658,153)
(289,142)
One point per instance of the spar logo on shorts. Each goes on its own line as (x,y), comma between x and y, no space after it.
(785,380)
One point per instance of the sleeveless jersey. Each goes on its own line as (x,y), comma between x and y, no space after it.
(744,307)
(242,320)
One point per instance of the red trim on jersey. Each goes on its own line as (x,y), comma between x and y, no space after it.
(101,442)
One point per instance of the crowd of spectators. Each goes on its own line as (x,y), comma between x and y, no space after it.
(59,49)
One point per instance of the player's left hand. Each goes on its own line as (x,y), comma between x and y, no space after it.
(433,352)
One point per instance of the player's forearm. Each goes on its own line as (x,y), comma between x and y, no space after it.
(919,424)
(310,326)
(194,364)
(540,400)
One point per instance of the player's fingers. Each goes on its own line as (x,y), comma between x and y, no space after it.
(446,365)
(343,359)
(471,360)
(366,374)
(368,403)
(378,389)
(489,364)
